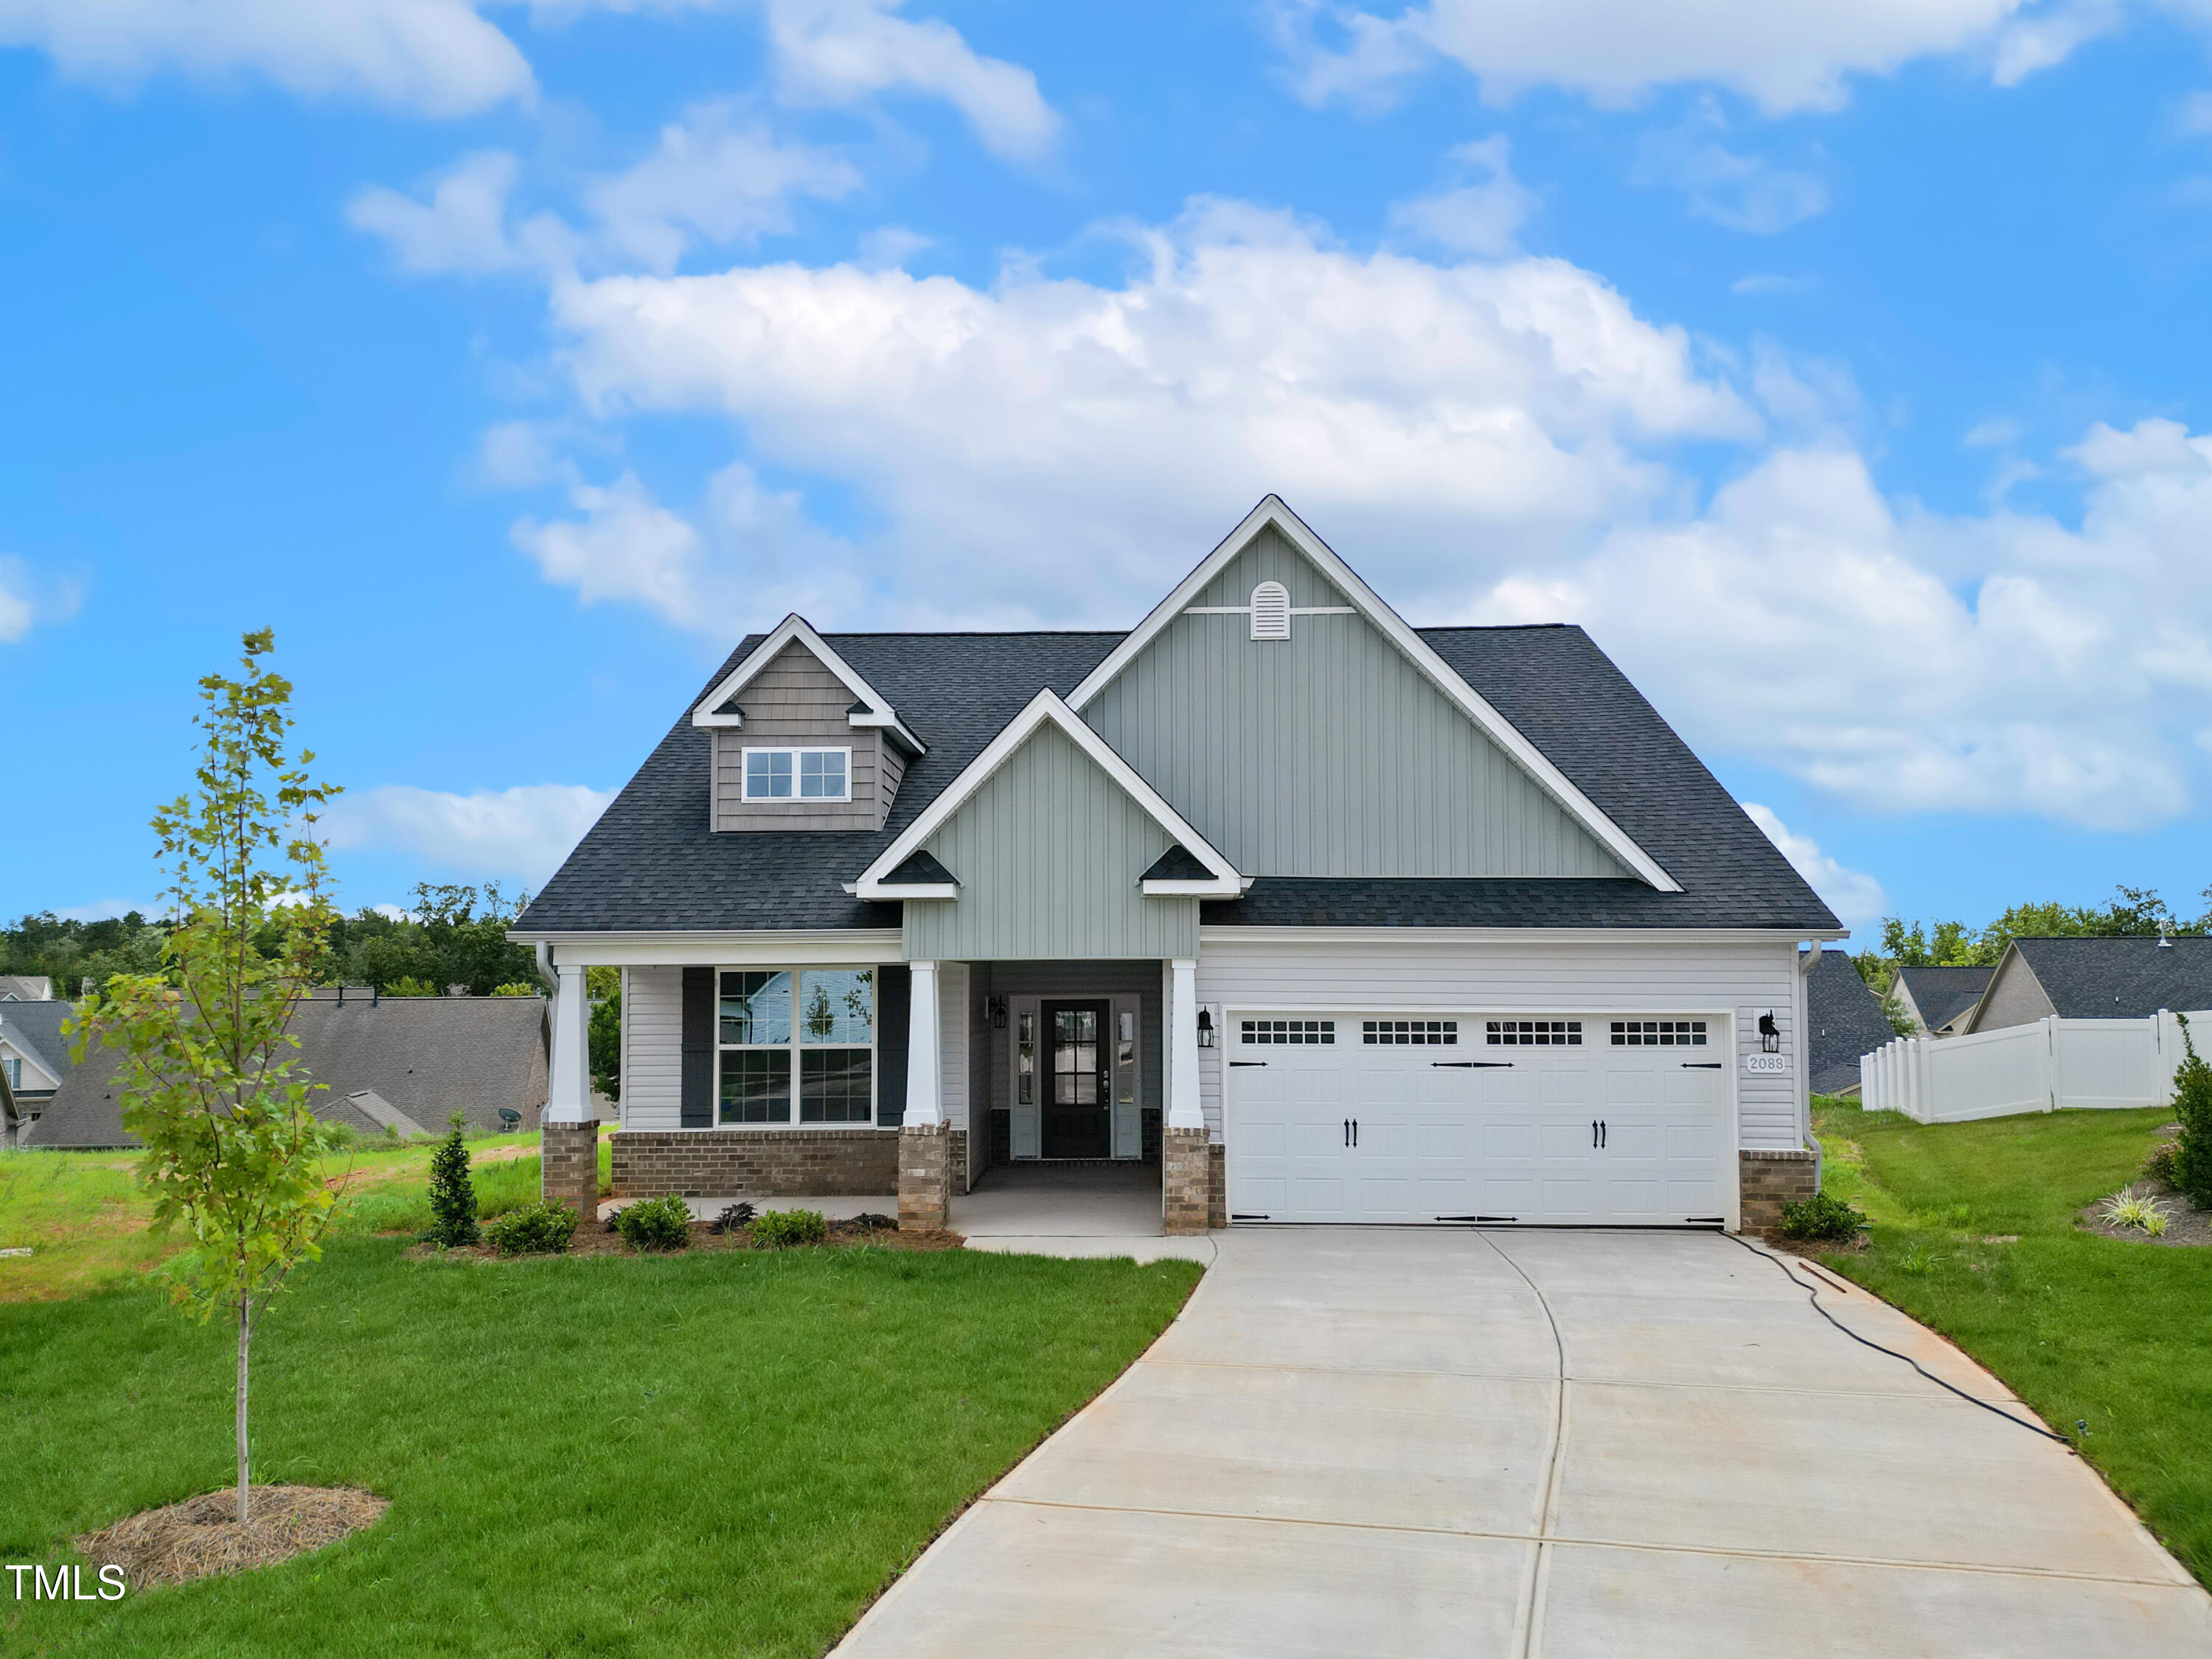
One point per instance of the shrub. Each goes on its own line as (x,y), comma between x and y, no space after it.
(657,1224)
(2129,1208)
(453,1194)
(732,1219)
(340,1137)
(539,1228)
(2160,1165)
(773,1229)
(2192,1104)
(1823,1219)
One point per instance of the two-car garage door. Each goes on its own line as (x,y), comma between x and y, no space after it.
(1596,1120)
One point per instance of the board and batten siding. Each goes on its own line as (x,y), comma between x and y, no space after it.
(796,702)
(652,1042)
(1049,853)
(1329,753)
(1742,978)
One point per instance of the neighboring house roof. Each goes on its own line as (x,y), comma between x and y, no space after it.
(418,1057)
(1844,1019)
(652,863)
(25,987)
(2118,978)
(1940,995)
(35,1028)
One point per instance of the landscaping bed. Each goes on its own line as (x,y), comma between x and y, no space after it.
(598,1239)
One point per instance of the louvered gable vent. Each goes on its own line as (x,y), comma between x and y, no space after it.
(1271,612)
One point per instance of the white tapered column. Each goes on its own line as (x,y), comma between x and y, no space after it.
(568,1093)
(924,1091)
(1183,1109)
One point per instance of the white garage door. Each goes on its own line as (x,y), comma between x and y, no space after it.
(1383,1117)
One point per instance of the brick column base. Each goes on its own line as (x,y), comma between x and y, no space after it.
(1771,1179)
(572,1165)
(925,1176)
(1217,1185)
(1186,1179)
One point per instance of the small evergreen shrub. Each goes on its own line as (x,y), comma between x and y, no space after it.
(732,1219)
(776,1230)
(539,1228)
(2160,1164)
(657,1224)
(340,1137)
(453,1194)
(1823,1218)
(2192,1105)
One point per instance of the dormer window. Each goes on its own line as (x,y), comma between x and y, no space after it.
(1271,612)
(798,775)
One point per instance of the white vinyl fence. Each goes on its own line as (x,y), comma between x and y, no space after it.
(2041,1067)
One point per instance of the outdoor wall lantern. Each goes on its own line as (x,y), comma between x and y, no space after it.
(1770,1034)
(997,1006)
(1205,1028)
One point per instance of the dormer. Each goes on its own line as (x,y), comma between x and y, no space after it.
(800,740)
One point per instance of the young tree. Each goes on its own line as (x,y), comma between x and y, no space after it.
(207,1080)
(453,1194)
(2192,1105)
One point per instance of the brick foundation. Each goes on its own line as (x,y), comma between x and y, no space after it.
(1771,1179)
(571,1165)
(856,1163)
(1186,1179)
(1216,1186)
(925,1176)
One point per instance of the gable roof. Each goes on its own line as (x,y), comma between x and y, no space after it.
(1273,514)
(1047,708)
(1941,995)
(870,708)
(2119,978)
(35,1028)
(1843,1021)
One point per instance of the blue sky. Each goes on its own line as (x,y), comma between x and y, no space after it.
(1841,373)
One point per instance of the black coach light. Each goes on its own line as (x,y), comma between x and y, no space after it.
(1770,1034)
(1205,1028)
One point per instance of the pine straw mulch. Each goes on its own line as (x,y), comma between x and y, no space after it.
(197,1538)
(596,1238)
(2186,1224)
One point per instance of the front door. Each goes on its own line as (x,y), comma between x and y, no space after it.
(1079,1088)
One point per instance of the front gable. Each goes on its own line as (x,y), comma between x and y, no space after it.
(1330,741)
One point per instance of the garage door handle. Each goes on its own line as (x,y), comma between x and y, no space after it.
(1247,1062)
(1687,1065)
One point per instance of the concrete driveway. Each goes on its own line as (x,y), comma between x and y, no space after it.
(1364,1443)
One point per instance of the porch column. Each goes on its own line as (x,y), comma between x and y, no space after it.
(1186,1160)
(568,1129)
(924,1167)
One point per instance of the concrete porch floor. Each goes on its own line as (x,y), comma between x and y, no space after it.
(1088,1209)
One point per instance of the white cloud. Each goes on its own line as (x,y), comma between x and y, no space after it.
(522,833)
(1478,214)
(1742,193)
(1760,283)
(1783,57)
(2192,117)
(715,178)
(28,599)
(14,606)
(1855,897)
(626,546)
(1998,432)
(109,910)
(462,226)
(437,57)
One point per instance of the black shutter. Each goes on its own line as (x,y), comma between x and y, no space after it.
(894,1002)
(697,1094)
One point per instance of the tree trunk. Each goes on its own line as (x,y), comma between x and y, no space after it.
(245,1344)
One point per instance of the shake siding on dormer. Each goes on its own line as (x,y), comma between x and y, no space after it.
(1329,753)
(796,702)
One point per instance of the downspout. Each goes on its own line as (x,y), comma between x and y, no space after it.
(545,969)
(1804,1041)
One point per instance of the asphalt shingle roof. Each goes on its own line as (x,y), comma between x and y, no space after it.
(2121,978)
(651,863)
(1844,1020)
(1942,994)
(37,1027)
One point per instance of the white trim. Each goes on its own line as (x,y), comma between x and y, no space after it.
(746,752)
(1410,935)
(1177,887)
(795,1046)
(846,947)
(878,713)
(31,1062)
(1046,706)
(1272,512)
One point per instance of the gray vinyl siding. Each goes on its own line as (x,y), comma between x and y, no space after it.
(2015,996)
(1622,976)
(1047,980)
(1049,853)
(1327,754)
(652,1043)
(795,701)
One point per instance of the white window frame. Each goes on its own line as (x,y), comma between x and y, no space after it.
(797,753)
(795,1045)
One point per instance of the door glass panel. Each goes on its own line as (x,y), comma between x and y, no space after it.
(1025,1061)
(1075,1057)
(1125,1057)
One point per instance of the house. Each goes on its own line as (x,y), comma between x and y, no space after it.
(1329,918)
(26,987)
(35,1058)
(1846,1021)
(1938,1000)
(2124,978)
(406,1062)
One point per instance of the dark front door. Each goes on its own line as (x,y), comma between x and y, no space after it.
(1078,1093)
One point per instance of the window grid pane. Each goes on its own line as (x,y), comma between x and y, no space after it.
(769,774)
(756,1008)
(1443,1032)
(835,1085)
(1535,1033)
(1658,1034)
(837,1006)
(821,774)
(756,1085)
(1317,1031)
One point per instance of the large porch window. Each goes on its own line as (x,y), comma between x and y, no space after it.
(804,1035)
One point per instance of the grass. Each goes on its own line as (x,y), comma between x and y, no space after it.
(727,1454)
(2084,1329)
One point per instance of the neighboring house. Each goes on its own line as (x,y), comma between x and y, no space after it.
(409,1062)
(35,1058)
(1337,919)
(1938,999)
(2093,978)
(26,987)
(1846,1021)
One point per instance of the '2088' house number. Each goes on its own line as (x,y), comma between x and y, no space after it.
(1766,1064)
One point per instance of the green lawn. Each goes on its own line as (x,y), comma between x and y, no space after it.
(2082,1328)
(726,1454)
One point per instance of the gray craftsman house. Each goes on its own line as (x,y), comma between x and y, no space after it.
(1328,918)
